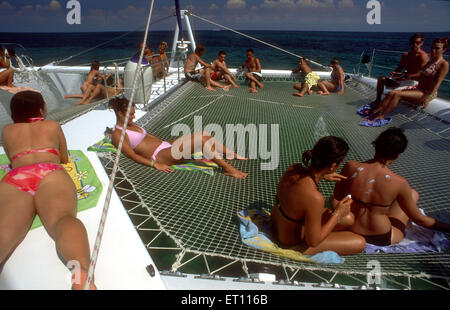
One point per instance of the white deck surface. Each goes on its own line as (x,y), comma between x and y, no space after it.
(123,257)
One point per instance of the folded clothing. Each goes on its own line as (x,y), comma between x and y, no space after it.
(88,186)
(377,123)
(255,230)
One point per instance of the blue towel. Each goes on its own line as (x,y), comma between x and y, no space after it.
(255,230)
(378,123)
(363,110)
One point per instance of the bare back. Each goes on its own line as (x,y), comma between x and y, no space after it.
(191,63)
(295,196)
(374,189)
(22,137)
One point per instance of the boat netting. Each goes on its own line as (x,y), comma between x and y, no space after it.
(188,220)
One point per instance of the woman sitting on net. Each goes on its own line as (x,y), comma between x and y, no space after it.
(300,220)
(37,184)
(430,79)
(383,202)
(150,150)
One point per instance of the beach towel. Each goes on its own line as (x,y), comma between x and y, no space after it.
(255,231)
(198,162)
(89,188)
(417,239)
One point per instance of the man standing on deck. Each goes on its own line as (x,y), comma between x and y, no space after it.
(411,62)
(203,74)
(253,74)
(220,70)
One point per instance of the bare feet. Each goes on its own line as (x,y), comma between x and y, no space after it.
(227,88)
(322,93)
(260,85)
(233,172)
(253,90)
(235,85)
(298,94)
(309,92)
(210,88)
(235,156)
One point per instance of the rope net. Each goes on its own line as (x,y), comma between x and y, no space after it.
(188,220)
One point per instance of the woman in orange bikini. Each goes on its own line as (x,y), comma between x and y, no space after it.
(37,184)
(149,150)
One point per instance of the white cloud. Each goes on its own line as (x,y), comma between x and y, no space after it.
(278,4)
(5,5)
(52,6)
(346,4)
(213,7)
(315,3)
(235,4)
(287,4)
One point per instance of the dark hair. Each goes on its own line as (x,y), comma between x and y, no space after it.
(441,40)
(335,60)
(199,48)
(327,151)
(415,37)
(250,50)
(222,53)
(25,105)
(389,144)
(95,65)
(119,104)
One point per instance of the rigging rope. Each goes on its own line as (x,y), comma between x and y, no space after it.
(258,40)
(104,43)
(116,162)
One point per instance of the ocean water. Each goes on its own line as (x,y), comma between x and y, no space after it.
(320,46)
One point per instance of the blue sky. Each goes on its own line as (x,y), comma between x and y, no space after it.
(125,15)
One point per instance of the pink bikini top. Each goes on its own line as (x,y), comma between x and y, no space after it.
(430,69)
(134,136)
(43,150)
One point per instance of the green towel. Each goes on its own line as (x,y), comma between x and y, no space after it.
(89,188)
(198,162)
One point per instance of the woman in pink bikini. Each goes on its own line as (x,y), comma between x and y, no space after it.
(151,151)
(37,184)
(430,79)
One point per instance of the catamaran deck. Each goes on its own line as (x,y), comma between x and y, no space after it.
(187,220)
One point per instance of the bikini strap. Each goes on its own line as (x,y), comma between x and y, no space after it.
(43,150)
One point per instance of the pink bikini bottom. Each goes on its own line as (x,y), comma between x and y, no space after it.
(28,178)
(162,146)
